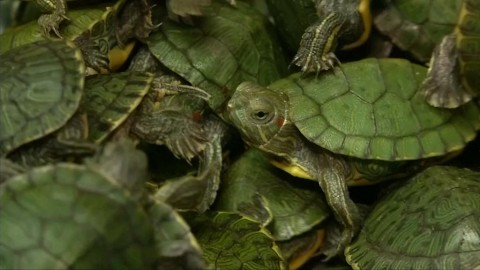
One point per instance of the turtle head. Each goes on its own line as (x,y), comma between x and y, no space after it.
(258,112)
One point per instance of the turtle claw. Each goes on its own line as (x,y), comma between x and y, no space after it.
(95,59)
(175,88)
(310,63)
(51,22)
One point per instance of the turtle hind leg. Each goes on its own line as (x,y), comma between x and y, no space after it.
(442,86)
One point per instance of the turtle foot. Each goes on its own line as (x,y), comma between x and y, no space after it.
(135,22)
(310,63)
(51,22)
(444,95)
(198,192)
(95,57)
(442,87)
(318,43)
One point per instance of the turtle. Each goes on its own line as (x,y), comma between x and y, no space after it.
(294,212)
(190,130)
(96,30)
(360,124)
(122,104)
(116,105)
(69,215)
(61,111)
(295,215)
(174,243)
(240,38)
(294,209)
(41,86)
(314,28)
(447,33)
(58,12)
(430,221)
(75,215)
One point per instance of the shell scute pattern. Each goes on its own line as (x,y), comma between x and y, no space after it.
(432,221)
(112,99)
(45,200)
(41,86)
(239,36)
(391,122)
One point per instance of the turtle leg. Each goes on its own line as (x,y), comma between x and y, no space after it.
(198,192)
(167,121)
(94,52)
(135,21)
(442,87)
(51,22)
(332,180)
(318,43)
(184,137)
(349,21)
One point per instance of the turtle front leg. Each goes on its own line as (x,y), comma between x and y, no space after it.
(442,87)
(167,121)
(198,192)
(348,20)
(184,137)
(51,22)
(318,43)
(135,21)
(332,180)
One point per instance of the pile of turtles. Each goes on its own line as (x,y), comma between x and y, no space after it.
(147,134)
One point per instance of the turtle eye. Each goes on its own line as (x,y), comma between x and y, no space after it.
(262,116)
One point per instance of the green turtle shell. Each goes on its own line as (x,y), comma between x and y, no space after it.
(430,222)
(70,216)
(227,46)
(294,209)
(232,241)
(175,244)
(41,85)
(417,26)
(372,109)
(111,98)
